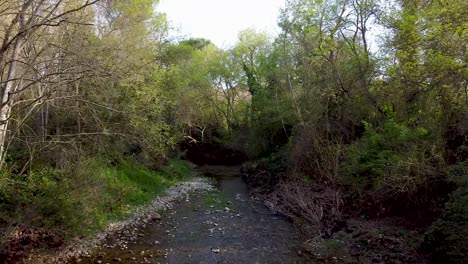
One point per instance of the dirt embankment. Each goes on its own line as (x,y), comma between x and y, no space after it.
(207,153)
(335,234)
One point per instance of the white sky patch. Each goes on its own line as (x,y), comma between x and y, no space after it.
(221,20)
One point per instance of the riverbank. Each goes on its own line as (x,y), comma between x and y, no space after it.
(64,208)
(223,225)
(334,232)
(82,249)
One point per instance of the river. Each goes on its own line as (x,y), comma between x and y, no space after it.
(221,226)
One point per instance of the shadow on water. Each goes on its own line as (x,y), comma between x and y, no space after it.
(221,226)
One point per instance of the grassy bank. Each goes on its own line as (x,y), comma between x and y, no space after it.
(48,207)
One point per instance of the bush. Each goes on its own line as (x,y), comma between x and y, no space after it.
(395,157)
(447,239)
(313,156)
(264,175)
(393,169)
(82,198)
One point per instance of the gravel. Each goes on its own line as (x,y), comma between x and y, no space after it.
(140,217)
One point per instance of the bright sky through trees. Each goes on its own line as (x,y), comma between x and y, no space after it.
(221,20)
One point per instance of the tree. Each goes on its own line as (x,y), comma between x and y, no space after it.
(29,56)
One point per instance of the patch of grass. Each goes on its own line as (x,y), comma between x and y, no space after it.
(216,199)
(84,198)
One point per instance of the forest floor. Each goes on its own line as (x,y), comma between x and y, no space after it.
(221,225)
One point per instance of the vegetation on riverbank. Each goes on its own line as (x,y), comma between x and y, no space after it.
(344,122)
(49,208)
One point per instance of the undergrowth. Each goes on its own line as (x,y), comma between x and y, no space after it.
(447,238)
(81,199)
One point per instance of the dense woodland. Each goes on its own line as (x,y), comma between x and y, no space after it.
(358,109)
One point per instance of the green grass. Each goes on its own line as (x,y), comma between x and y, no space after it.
(216,199)
(84,198)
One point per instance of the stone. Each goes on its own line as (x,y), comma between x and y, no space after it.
(156,217)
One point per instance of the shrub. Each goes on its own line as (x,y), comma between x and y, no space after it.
(394,165)
(396,157)
(81,198)
(313,156)
(447,238)
(264,175)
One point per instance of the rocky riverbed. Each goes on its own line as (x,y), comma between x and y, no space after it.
(84,248)
(217,223)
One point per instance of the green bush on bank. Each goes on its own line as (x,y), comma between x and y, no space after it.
(395,158)
(82,198)
(447,239)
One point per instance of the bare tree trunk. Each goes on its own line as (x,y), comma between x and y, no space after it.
(5,108)
(29,18)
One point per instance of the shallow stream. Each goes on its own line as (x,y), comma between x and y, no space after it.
(221,226)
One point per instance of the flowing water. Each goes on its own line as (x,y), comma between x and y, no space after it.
(223,226)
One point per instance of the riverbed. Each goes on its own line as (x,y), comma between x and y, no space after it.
(224,225)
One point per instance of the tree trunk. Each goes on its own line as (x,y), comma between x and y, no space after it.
(5,108)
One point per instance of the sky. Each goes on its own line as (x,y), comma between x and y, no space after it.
(221,20)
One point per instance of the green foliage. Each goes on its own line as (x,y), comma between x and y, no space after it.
(393,158)
(447,239)
(197,43)
(84,197)
(216,199)
(177,170)
(127,91)
(264,174)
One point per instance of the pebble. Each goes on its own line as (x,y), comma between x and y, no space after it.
(128,228)
(156,217)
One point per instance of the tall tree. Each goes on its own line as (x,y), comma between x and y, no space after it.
(27,58)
